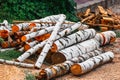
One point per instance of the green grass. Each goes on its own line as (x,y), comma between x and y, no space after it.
(29,76)
(9,55)
(117,33)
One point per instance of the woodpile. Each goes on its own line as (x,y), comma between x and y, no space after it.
(63,68)
(101,18)
(64,44)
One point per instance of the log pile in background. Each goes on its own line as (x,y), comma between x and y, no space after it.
(57,41)
(104,19)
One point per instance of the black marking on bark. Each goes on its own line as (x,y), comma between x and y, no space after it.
(78,35)
(61,42)
(29,53)
(59,35)
(80,48)
(66,40)
(76,38)
(71,54)
(46,30)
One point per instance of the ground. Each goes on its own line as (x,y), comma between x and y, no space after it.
(109,71)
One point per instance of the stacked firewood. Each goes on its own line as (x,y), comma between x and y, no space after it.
(104,19)
(65,44)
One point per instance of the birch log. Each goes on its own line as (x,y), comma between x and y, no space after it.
(21,33)
(34,26)
(49,42)
(43,37)
(88,65)
(27,46)
(35,34)
(37,25)
(63,68)
(72,39)
(40,45)
(7,49)
(22,26)
(7,44)
(3,28)
(105,37)
(27,26)
(17,63)
(4,33)
(39,33)
(75,51)
(34,29)
(7,25)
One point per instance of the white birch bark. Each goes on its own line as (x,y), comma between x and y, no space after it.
(31,51)
(22,26)
(105,37)
(16,63)
(3,28)
(2,50)
(80,48)
(36,29)
(21,49)
(7,25)
(49,42)
(92,63)
(63,68)
(41,32)
(41,44)
(74,38)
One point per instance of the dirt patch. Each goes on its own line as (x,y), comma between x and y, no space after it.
(109,71)
(8,72)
